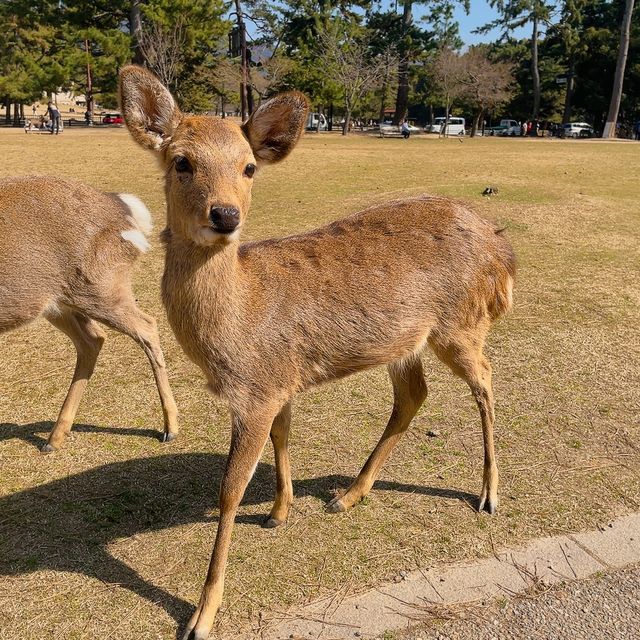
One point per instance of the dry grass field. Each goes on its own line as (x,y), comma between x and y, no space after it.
(111,536)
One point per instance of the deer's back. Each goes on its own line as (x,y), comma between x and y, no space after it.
(58,238)
(368,289)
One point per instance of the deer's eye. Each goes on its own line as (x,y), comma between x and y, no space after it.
(182,165)
(249,170)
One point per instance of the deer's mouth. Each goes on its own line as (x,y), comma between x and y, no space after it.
(208,235)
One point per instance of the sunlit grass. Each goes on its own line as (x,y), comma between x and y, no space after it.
(114,532)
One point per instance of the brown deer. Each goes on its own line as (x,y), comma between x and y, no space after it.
(266,320)
(66,253)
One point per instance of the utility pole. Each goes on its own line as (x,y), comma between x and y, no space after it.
(246,97)
(89,93)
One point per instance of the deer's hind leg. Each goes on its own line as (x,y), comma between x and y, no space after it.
(87,337)
(409,392)
(125,317)
(462,352)
(284,486)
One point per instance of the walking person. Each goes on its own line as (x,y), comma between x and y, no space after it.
(54,115)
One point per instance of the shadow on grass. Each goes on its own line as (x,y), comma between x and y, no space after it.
(67,525)
(28,432)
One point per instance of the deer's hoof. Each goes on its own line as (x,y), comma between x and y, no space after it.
(488,505)
(168,437)
(47,448)
(335,506)
(271,523)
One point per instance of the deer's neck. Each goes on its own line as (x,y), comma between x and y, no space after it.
(203,293)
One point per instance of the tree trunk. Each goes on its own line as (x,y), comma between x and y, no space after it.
(16,114)
(616,95)
(568,97)
(402,97)
(476,120)
(7,115)
(443,130)
(535,72)
(135,27)
(383,99)
(347,122)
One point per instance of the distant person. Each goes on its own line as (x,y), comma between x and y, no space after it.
(406,131)
(529,127)
(87,117)
(54,115)
(34,109)
(636,130)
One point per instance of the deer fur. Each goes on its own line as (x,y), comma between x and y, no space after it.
(66,253)
(267,320)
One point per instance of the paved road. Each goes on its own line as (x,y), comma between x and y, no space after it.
(605,607)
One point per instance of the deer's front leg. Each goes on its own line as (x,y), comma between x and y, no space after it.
(249,435)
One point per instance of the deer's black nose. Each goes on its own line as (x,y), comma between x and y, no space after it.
(224,219)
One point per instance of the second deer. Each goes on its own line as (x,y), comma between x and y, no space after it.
(66,253)
(267,320)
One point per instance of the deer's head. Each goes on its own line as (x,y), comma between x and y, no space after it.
(209,162)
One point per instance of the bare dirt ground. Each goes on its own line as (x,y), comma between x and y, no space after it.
(111,536)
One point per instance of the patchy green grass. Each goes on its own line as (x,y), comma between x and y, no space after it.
(111,536)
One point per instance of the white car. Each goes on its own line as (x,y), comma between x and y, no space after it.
(387,127)
(578,130)
(312,122)
(455,127)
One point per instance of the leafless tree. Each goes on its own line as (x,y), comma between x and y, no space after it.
(269,73)
(487,84)
(226,79)
(449,72)
(162,48)
(348,61)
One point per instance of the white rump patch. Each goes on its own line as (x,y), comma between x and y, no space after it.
(136,238)
(138,212)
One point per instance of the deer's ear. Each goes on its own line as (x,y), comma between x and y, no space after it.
(275,127)
(149,110)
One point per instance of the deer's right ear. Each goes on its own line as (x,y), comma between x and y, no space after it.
(149,110)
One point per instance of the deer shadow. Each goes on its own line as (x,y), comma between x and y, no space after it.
(68,524)
(28,432)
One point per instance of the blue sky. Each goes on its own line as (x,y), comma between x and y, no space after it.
(479,15)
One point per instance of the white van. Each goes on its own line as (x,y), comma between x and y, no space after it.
(454,128)
(312,122)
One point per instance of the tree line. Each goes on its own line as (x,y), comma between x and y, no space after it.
(355,59)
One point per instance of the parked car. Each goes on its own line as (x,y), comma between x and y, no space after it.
(312,122)
(577,130)
(455,127)
(112,118)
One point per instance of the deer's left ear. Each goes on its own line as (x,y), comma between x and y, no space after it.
(275,127)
